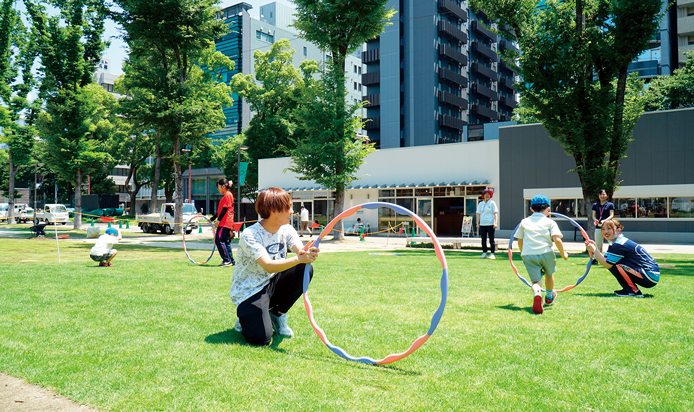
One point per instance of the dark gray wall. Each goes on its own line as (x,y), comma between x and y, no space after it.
(662,153)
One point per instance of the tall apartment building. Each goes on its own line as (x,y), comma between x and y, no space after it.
(685,28)
(249,34)
(661,57)
(432,73)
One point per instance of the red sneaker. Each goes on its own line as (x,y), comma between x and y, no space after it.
(109,264)
(537,304)
(102,264)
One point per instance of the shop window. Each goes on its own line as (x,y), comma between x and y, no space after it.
(475,190)
(624,207)
(422,192)
(440,191)
(682,207)
(564,206)
(404,193)
(386,193)
(652,207)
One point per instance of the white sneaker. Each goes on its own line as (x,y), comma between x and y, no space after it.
(279,324)
(484,256)
(237,325)
(491,256)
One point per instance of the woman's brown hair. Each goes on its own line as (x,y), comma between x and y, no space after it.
(613,224)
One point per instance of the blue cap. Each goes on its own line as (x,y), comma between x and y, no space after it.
(111,231)
(539,199)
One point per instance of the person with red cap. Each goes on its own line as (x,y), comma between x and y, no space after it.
(487,220)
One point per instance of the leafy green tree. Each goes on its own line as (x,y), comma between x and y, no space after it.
(76,122)
(274,96)
(331,153)
(173,76)
(573,69)
(17,113)
(675,91)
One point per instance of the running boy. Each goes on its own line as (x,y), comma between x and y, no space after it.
(103,251)
(535,236)
(638,267)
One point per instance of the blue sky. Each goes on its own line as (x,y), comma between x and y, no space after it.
(117,52)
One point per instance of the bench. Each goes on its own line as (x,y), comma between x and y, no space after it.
(351,229)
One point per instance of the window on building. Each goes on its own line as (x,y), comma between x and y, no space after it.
(355,85)
(305,51)
(355,68)
(264,36)
(360,70)
(359,86)
(682,207)
(564,206)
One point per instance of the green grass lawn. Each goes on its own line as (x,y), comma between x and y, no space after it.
(155,332)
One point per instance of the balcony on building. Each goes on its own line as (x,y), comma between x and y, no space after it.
(685,24)
(508,102)
(452,77)
(455,11)
(646,69)
(507,83)
(451,122)
(479,28)
(374,100)
(505,68)
(371,78)
(507,45)
(484,71)
(484,51)
(480,110)
(504,118)
(485,91)
(452,100)
(371,56)
(453,55)
(372,123)
(449,30)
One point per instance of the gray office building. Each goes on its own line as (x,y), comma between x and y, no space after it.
(435,76)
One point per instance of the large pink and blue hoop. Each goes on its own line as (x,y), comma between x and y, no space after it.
(434,320)
(580,279)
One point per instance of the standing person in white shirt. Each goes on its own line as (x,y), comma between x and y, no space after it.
(304,222)
(487,220)
(103,251)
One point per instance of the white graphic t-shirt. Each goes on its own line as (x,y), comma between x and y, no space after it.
(254,242)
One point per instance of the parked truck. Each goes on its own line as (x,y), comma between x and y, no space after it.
(164,220)
(52,213)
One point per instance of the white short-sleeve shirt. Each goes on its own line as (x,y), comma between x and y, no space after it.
(486,211)
(254,242)
(536,231)
(103,245)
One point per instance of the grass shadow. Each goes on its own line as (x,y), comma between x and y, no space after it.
(609,295)
(515,308)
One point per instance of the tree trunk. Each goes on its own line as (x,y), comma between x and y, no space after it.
(10,195)
(338,229)
(155,182)
(77,224)
(178,179)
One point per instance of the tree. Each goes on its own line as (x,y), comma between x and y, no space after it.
(76,122)
(173,77)
(338,27)
(17,114)
(273,96)
(573,69)
(675,91)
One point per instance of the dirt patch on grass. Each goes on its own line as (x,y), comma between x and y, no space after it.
(16,395)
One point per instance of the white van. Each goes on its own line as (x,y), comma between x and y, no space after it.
(3,211)
(53,213)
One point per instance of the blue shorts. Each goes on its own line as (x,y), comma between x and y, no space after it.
(540,265)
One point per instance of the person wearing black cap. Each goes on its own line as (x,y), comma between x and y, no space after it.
(487,219)
(535,235)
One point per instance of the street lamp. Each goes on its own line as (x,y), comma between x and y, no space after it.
(188,149)
(238,181)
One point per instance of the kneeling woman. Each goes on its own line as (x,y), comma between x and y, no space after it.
(637,266)
(266,282)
